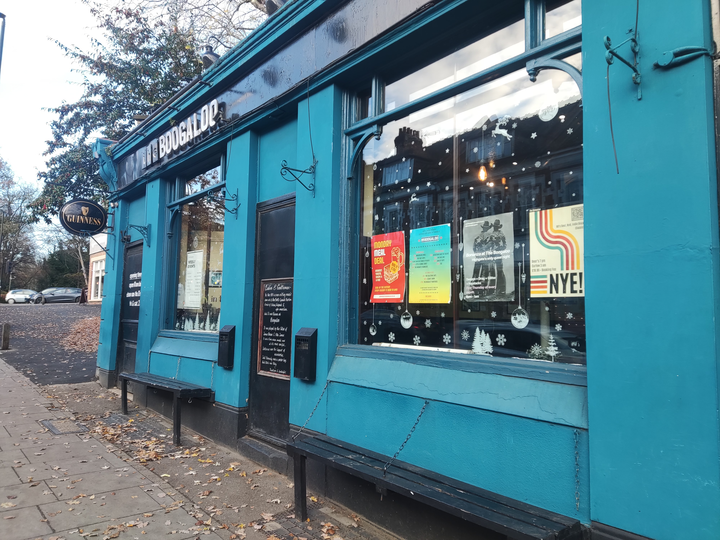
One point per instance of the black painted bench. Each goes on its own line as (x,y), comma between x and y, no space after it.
(180,390)
(515,519)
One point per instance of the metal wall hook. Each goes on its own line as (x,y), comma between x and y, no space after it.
(285,171)
(680,56)
(611,54)
(221,196)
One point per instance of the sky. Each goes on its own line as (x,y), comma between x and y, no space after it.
(35,74)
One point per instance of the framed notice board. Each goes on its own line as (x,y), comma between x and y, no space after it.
(275,328)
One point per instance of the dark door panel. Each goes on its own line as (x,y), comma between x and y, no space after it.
(130,308)
(269,403)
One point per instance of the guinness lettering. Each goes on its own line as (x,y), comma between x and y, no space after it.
(82,217)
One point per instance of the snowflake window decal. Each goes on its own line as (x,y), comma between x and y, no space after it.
(428,323)
(465,335)
(493,314)
(569,316)
(416,340)
(447,339)
(501,339)
(391,337)
(558,327)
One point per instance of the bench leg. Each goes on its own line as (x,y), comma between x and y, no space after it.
(300,486)
(123,399)
(176,419)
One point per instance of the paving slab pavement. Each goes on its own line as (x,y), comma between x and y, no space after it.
(75,485)
(123,478)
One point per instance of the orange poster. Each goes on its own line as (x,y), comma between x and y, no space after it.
(388,268)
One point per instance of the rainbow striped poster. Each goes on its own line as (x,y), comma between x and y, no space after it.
(557,252)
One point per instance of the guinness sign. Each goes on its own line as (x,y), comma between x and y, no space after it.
(82,217)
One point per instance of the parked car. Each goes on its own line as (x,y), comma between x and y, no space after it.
(19,296)
(57,294)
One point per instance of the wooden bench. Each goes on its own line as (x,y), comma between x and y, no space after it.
(515,519)
(180,390)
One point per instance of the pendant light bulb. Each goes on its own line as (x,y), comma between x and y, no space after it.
(482,173)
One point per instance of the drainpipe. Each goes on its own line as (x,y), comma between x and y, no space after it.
(2,34)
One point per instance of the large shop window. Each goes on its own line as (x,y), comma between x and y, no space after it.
(472,223)
(200,257)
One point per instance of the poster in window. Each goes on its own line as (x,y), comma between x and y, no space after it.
(388,268)
(194,272)
(489,259)
(557,252)
(430,265)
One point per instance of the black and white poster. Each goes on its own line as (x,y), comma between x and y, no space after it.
(488,259)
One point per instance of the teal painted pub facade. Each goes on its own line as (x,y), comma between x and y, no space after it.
(475,110)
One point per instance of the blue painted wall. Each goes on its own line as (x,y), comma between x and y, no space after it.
(112,293)
(317,227)
(525,459)
(152,272)
(238,258)
(644,431)
(274,147)
(136,216)
(651,239)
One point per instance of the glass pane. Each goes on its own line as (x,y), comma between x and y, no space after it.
(472,224)
(202,181)
(200,266)
(563,18)
(479,56)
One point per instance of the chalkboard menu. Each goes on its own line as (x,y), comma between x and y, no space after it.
(274,346)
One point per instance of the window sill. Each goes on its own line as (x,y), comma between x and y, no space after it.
(547,393)
(573,374)
(212,337)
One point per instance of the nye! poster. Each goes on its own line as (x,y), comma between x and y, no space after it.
(388,268)
(430,265)
(488,259)
(557,252)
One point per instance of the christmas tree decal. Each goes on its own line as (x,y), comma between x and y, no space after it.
(551,350)
(477,342)
(482,344)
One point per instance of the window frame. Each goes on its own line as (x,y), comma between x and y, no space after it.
(175,201)
(98,268)
(540,53)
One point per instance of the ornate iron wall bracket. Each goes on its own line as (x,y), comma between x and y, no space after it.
(285,171)
(221,196)
(362,140)
(680,56)
(143,230)
(611,54)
